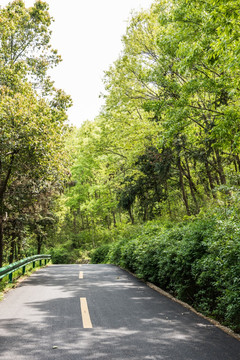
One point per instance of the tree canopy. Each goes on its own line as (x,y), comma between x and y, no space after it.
(166,142)
(32,118)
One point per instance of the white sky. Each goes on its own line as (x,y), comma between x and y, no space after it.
(87,34)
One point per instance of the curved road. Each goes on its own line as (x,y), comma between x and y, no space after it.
(88,312)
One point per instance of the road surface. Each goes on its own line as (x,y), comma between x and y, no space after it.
(88,312)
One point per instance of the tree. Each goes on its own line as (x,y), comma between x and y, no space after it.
(32,111)
(167,138)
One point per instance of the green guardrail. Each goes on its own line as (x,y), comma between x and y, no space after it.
(9,269)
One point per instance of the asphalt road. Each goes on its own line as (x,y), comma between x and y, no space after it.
(88,312)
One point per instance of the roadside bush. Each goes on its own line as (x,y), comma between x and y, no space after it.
(197,261)
(168,245)
(99,255)
(219,273)
(188,249)
(128,255)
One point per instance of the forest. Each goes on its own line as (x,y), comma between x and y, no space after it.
(153,183)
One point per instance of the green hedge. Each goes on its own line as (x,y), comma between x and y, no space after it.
(197,261)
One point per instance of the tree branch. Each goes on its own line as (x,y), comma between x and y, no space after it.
(5,182)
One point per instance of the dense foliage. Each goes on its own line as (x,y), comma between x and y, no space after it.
(32,115)
(166,143)
(197,261)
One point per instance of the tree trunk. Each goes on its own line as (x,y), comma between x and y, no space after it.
(108,221)
(120,216)
(19,247)
(131,215)
(168,201)
(3,187)
(1,230)
(88,226)
(74,222)
(114,219)
(210,179)
(39,244)
(93,233)
(217,179)
(82,221)
(238,161)
(220,167)
(192,186)
(12,251)
(145,213)
(1,240)
(185,200)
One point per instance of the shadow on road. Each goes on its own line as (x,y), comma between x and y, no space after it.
(130,320)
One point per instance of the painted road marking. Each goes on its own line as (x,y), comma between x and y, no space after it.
(87,324)
(80,275)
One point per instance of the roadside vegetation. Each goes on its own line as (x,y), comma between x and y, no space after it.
(153,183)
(197,261)
(33,160)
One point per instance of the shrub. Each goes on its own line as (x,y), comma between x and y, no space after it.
(198,261)
(62,255)
(99,255)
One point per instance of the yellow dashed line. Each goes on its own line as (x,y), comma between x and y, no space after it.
(87,324)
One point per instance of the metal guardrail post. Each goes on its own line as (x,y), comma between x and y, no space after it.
(10,278)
